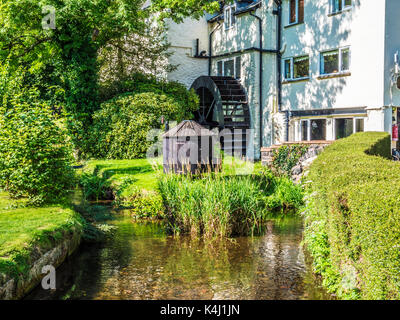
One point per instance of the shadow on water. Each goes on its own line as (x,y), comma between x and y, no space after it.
(141,262)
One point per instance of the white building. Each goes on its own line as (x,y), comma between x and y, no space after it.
(311,69)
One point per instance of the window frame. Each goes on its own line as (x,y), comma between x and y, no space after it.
(297,13)
(234,59)
(230,11)
(344,7)
(292,59)
(354,124)
(340,61)
(308,121)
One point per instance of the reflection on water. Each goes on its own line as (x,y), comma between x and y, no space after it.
(141,262)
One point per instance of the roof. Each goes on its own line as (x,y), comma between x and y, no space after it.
(188,128)
(242,6)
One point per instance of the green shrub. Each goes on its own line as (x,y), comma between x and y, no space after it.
(285,158)
(218,206)
(95,188)
(122,126)
(284,196)
(35,157)
(352,217)
(144,204)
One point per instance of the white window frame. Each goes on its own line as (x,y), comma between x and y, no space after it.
(340,62)
(354,124)
(308,121)
(223,66)
(229,11)
(308,129)
(292,78)
(344,7)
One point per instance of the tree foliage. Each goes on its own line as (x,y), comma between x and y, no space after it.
(89,37)
(35,159)
(180,9)
(122,126)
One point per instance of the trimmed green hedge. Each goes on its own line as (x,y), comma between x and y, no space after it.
(353,217)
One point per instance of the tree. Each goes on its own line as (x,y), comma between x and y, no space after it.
(58,42)
(180,9)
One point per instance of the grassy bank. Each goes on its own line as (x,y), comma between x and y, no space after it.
(353,218)
(26,231)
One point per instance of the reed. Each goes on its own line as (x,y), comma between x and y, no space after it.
(217,205)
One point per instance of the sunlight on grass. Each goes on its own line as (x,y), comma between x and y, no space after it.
(143,173)
(22,228)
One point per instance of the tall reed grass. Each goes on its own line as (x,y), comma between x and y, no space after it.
(216,205)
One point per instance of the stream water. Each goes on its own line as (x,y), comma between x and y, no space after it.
(141,262)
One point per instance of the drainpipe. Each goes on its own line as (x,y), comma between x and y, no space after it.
(261,77)
(210,48)
(278,13)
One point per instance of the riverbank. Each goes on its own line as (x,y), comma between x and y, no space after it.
(31,238)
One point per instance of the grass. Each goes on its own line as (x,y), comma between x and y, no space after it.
(23,229)
(142,174)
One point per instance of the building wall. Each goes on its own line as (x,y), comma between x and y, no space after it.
(392,44)
(362,28)
(370,29)
(243,35)
(182,38)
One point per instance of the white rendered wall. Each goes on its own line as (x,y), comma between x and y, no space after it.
(182,38)
(361,28)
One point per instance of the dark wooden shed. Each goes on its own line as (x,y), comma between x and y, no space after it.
(190,148)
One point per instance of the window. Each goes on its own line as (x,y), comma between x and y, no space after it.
(340,5)
(229,17)
(230,67)
(359,125)
(345,61)
(297,68)
(304,130)
(335,61)
(318,129)
(220,68)
(238,67)
(296,11)
(343,128)
(313,129)
(346,127)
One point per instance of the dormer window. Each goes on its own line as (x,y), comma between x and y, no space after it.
(229,17)
(338,6)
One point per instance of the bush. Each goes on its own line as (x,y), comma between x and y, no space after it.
(352,217)
(144,204)
(35,157)
(95,188)
(285,196)
(218,206)
(121,127)
(285,158)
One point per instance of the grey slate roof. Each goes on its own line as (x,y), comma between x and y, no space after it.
(188,128)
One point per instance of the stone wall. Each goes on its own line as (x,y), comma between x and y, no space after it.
(314,149)
(16,288)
